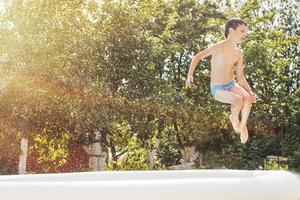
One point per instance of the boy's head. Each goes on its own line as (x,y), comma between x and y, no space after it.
(237,27)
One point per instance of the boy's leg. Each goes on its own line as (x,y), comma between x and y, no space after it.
(234,117)
(245,110)
(236,102)
(246,102)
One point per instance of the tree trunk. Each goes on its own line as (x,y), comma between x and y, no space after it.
(151,153)
(97,156)
(23,156)
(189,155)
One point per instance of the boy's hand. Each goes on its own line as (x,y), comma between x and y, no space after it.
(253,97)
(189,81)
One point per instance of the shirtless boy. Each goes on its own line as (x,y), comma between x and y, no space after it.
(226,55)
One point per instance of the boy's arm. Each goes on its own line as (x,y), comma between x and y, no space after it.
(240,74)
(199,56)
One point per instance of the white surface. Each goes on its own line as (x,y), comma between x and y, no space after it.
(159,185)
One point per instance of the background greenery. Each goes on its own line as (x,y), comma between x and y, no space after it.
(69,68)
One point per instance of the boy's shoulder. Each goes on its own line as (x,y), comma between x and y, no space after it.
(240,51)
(221,43)
(216,47)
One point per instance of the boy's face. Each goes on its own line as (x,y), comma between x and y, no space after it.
(240,33)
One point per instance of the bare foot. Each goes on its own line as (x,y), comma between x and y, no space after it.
(244,134)
(235,123)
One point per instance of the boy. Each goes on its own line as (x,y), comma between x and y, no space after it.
(225,56)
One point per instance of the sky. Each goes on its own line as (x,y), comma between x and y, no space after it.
(1,5)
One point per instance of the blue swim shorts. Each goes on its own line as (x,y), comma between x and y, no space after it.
(225,86)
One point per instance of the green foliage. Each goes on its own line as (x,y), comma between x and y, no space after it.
(5,167)
(134,159)
(69,68)
(51,152)
(295,160)
(272,165)
(168,154)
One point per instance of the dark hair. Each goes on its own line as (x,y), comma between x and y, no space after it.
(233,23)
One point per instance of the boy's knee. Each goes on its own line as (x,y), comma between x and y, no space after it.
(238,101)
(247,99)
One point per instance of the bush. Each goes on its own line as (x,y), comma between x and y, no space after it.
(272,165)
